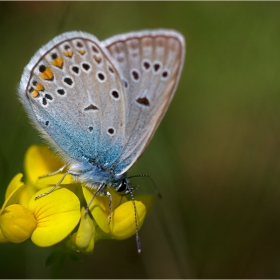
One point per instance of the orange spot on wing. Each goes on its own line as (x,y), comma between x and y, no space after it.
(97,58)
(68,53)
(82,52)
(58,62)
(40,87)
(35,93)
(47,74)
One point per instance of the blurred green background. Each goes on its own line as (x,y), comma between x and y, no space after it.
(215,156)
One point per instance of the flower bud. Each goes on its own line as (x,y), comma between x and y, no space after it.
(17,223)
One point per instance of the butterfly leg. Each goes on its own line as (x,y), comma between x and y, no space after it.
(100,189)
(110,205)
(53,173)
(59,182)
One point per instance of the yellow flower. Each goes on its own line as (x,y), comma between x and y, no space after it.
(13,228)
(47,220)
(122,223)
(53,218)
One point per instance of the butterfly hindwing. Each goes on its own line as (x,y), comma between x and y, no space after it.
(150,64)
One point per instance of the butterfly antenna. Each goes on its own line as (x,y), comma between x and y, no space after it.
(136,222)
(155,186)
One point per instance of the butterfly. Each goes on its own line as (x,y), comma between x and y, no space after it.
(98,103)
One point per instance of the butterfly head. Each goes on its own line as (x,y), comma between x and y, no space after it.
(124,187)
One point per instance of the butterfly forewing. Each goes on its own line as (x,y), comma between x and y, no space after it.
(150,65)
(75,94)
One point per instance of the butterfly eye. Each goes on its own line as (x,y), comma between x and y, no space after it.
(122,187)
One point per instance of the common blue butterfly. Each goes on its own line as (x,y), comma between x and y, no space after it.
(98,104)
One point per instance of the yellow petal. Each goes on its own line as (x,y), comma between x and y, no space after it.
(99,209)
(26,195)
(39,161)
(14,184)
(85,232)
(86,250)
(100,218)
(123,219)
(17,223)
(13,192)
(90,247)
(57,215)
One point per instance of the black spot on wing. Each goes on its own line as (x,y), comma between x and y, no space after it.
(90,107)
(143,101)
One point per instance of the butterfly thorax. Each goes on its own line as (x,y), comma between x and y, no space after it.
(92,176)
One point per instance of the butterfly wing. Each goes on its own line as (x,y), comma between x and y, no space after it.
(150,64)
(74,96)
